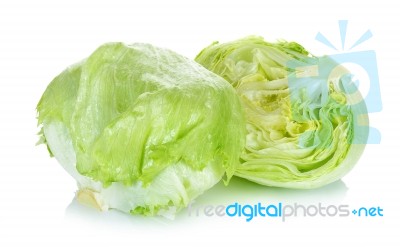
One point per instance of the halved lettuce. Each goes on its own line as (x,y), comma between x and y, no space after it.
(142,129)
(306,121)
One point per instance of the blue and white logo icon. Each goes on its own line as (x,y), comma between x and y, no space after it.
(362,80)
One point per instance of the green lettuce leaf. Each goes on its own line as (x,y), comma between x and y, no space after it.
(142,129)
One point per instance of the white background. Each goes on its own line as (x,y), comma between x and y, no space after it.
(38,39)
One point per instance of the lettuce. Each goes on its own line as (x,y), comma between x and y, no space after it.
(142,129)
(306,121)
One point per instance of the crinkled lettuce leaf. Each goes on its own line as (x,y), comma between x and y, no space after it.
(142,129)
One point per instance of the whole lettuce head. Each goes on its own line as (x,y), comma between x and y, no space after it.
(142,129)
(306,120)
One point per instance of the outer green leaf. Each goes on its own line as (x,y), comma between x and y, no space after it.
(142,129)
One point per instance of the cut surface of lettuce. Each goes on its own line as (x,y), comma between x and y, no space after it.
(307,124)
(141,128)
